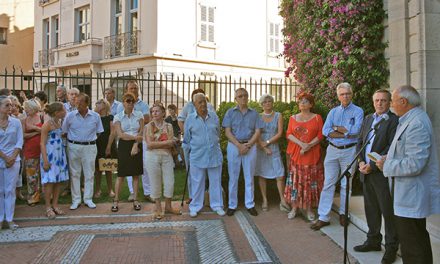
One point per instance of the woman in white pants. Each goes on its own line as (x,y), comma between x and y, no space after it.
(11,142)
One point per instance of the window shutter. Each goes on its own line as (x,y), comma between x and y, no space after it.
(211,15)
(203,32)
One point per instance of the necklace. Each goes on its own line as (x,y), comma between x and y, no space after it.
(159,126)
(271,113)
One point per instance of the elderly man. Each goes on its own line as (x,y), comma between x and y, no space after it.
(377,197)
(82,126)
(202,137)
(132,87)
(342,131)
(110,96)
(71,104)
(413,167)
(61,94)
(242,128)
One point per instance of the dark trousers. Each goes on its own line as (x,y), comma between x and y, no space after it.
(378,202)
(415,244)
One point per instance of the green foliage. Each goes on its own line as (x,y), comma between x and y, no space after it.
(333,41)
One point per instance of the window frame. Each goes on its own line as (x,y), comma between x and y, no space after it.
(80,25)
(203,40)
(274,39)
(55,31)
(4,36)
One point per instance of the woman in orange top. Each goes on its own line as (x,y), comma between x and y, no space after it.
(306,174)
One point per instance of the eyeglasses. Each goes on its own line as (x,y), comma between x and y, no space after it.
(242,95)
(129,101)
(304,101)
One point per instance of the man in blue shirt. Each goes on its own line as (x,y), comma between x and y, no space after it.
(202,138)
(342,129)
(242,128)
(110,96)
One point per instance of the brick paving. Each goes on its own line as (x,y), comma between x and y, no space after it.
(99,236)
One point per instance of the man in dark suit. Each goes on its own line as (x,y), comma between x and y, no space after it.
(377,197)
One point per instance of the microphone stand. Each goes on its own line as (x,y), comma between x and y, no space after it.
(347,176)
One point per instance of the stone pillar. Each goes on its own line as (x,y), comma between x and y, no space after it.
(414,50)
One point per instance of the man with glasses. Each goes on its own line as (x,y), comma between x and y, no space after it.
(132,87)
(242,128)
(341,128)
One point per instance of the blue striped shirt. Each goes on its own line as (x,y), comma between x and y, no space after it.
(350,117)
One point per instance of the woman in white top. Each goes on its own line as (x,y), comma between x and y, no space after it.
(11,142)
(128,125)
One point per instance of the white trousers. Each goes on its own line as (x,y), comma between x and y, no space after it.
(81,158)
(145,178)
(8,180)
(198,178)
(160,167)
(235,161)
(336,161)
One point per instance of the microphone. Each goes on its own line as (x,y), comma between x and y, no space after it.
(384,118)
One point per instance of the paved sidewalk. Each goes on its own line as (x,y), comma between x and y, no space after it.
(99,236)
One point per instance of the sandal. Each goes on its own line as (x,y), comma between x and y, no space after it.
(284,207)
(115,206)
(58,211)
(50,213)
(173,211)
(97,195)
(157,215)
(136,205)
(292,214)
(264,207)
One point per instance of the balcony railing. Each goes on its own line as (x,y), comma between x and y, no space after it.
(45,58)
(121,45)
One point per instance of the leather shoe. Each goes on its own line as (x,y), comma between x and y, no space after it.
(252,211)
(319,224)
(230,212)
(342,220)
(389,257)
(367,248)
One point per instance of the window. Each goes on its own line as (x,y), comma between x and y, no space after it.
(207,23)
(46,34)
(133,23)
(274,38)
(3,33)
(83,24)
(55,31)
(118,17)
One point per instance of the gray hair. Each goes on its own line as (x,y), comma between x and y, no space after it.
(2,98)
(409,93)
(199,95)
(62,87)
(266,96)
(32,105)
(76,90)
(344,85)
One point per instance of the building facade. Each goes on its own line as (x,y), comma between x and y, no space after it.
(205,38)
(16,39)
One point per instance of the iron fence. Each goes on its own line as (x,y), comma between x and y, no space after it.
(168,88)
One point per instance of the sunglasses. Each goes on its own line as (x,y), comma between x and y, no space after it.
(129,101)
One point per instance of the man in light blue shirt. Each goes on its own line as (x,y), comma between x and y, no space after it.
(71,104)
(242,128)
(110,96)
(82,126)
(202,138)
(341,128)
(132,87)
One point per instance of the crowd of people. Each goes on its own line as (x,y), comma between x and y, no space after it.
(63,141)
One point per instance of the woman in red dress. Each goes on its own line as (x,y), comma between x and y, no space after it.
(306,174)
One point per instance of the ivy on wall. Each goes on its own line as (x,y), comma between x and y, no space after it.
(332,41)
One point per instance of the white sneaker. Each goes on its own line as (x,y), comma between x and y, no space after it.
(90,204)
(74,206)
(192,214)
(131,197)
(12,225)
(220,212)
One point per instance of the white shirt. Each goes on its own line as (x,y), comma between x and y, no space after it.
(11,139)
(129,124)
(82,129)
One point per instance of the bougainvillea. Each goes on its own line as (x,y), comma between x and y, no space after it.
(332,41)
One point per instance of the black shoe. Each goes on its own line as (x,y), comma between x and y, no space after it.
(389,257)
(252,211)
(342,221)
(230,212)
(367,247)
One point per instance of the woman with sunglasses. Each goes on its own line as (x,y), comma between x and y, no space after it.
(306,174)
(106,145)
(128,126)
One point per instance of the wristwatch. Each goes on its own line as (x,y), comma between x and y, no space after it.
(268,142)
(335,128)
